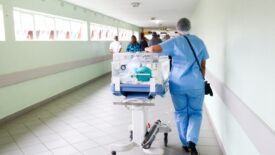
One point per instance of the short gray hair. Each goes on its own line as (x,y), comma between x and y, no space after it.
(184,25)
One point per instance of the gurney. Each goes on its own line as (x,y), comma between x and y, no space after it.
(140,77)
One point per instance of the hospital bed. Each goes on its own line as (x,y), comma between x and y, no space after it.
(140,77)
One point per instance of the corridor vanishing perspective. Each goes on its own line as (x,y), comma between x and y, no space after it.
(80,77)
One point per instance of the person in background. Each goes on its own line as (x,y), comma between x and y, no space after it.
(143,42)
(155,39)
(133,46)
(115,46)
(166,37)
(158,36)
(186,82)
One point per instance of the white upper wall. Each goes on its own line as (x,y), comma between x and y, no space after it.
(240,38)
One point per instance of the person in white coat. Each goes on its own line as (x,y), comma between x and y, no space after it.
(115,46)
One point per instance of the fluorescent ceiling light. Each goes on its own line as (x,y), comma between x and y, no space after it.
(156,21)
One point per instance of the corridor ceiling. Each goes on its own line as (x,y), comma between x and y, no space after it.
(166,11)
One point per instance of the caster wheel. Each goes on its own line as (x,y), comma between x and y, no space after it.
(131,135)
(113,152)
(165,139)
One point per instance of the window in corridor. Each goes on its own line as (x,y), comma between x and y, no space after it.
(2,30)
(124,34)
(136,34)
(99,32)
(36,26)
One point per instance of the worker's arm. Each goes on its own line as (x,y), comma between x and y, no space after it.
(203,67)
(154,49)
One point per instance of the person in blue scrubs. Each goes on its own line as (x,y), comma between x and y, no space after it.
(186,82)
(133,46)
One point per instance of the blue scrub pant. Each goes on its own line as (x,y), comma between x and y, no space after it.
(188,114)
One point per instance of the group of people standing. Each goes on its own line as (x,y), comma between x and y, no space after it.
(134,45)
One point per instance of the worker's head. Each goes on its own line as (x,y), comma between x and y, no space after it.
(154,34)
(183,25)
(116,38)
(133,39)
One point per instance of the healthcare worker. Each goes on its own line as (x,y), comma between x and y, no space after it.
(155,39)
(186,82)
(133,46)
(115,46)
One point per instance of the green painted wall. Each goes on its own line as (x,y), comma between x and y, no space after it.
(240,37)
(20,56)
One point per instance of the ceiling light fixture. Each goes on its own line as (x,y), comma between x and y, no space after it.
(135,4)
(154,20)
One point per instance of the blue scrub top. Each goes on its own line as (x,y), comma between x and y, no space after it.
(185,73)
(133,48)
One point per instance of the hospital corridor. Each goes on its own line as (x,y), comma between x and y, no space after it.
(137,77)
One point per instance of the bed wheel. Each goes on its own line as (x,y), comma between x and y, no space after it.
(113,152)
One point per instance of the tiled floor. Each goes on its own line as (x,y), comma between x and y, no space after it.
(86,122)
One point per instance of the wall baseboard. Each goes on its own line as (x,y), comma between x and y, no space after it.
(39,104)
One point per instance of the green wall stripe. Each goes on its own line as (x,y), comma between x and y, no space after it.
(18,77)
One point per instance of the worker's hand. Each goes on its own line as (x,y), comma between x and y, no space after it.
(153,49)
(147,50)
